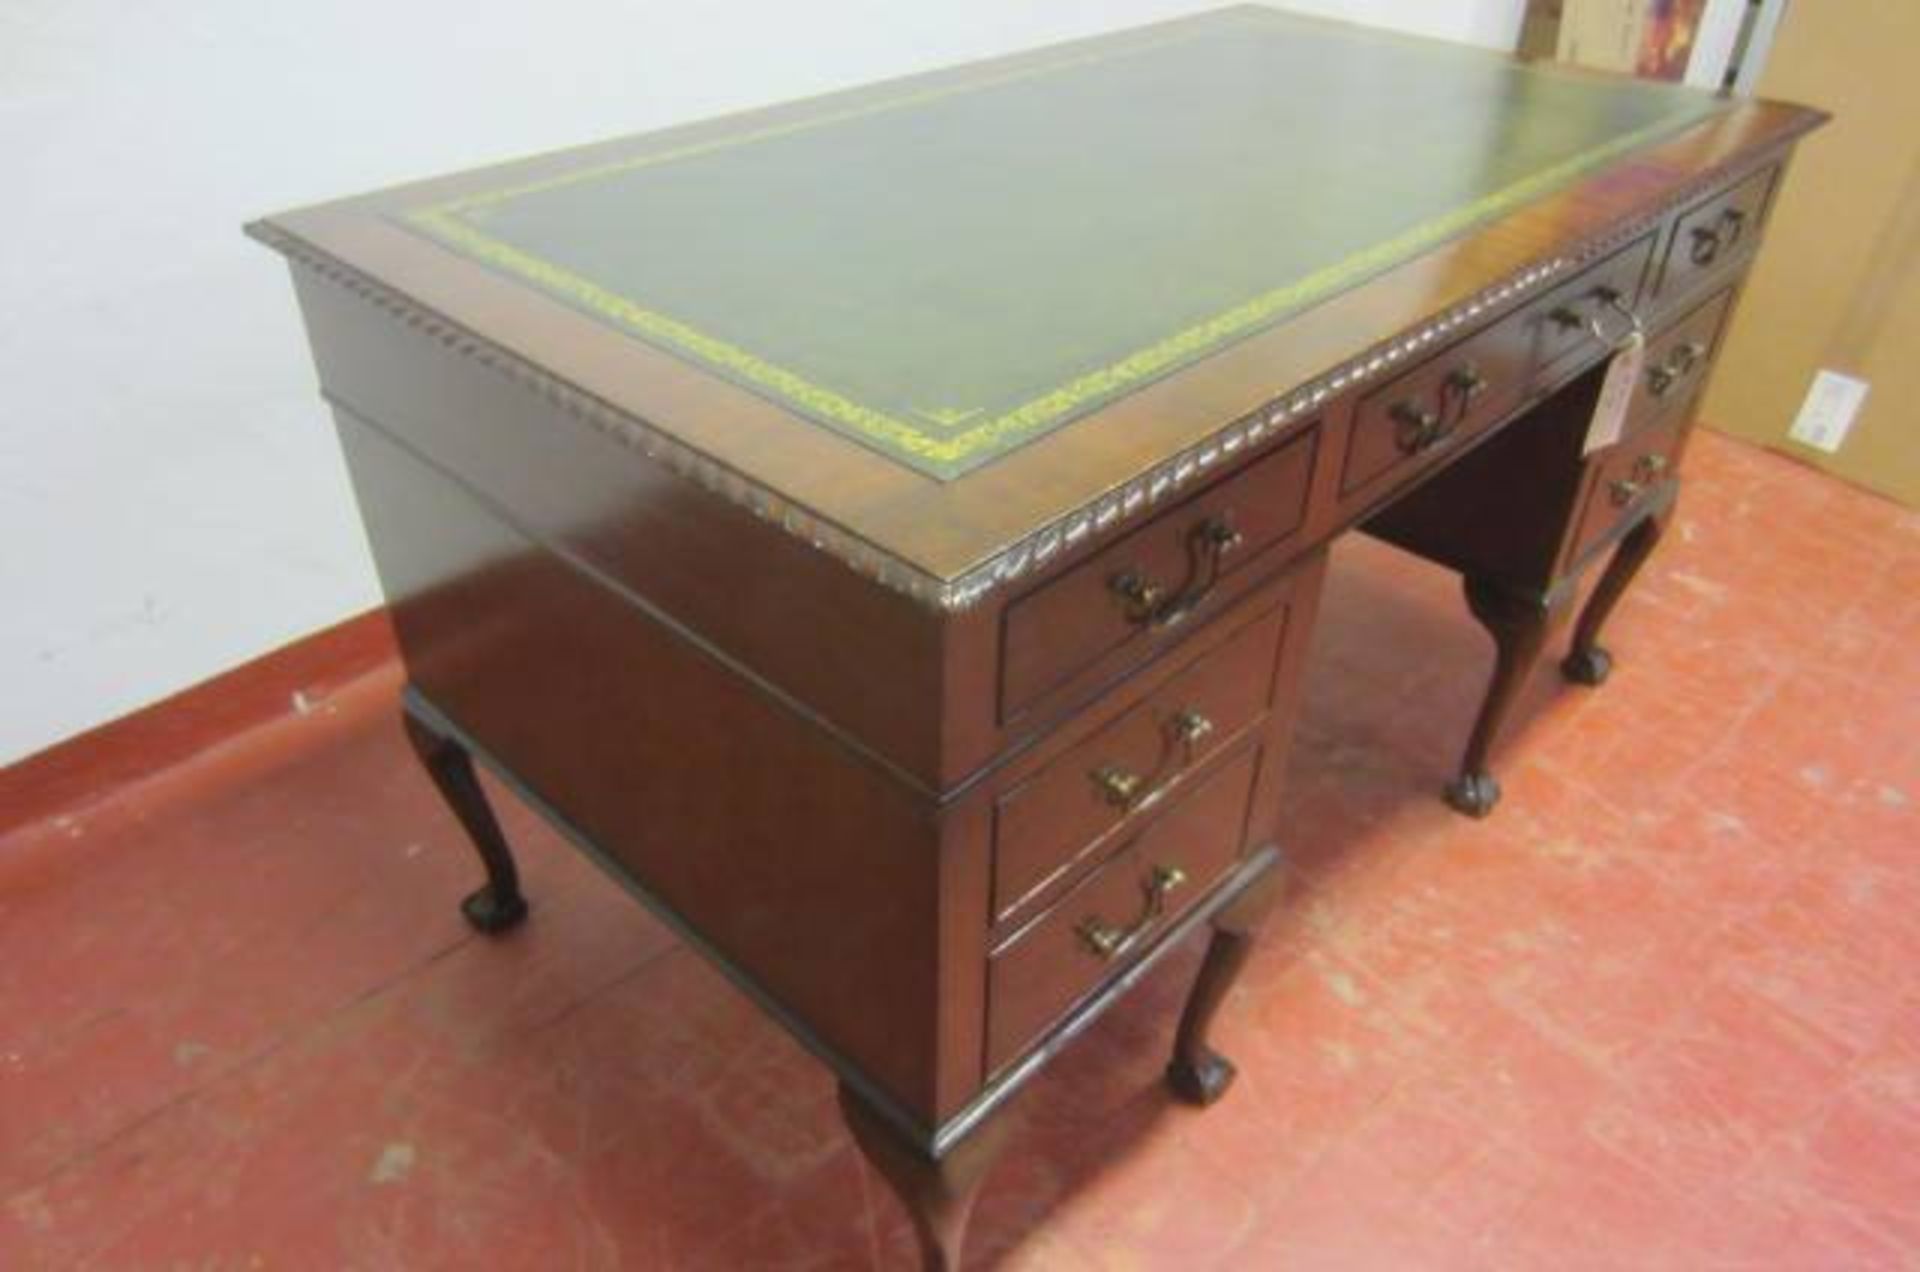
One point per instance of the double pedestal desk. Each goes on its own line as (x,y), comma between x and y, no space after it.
(884,532)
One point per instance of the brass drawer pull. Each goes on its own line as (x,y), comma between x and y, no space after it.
(1418,428)
(1710,240)
(1129,791)
(1569,317)
(1110,942)
(1148,603)
(1625,492)
(1467,383)
(1649,468)
(1680,363)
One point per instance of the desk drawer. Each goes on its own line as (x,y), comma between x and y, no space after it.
(1628,478)
(1714,234)
(1446,398)
(1119,910)
(1483,378)
(1107,784)
(1560,325)
(1127,601)
(1677,363)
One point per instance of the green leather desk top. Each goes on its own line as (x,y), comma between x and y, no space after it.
(945,275)
(947,327)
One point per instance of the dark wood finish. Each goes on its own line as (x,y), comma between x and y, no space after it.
(1678,362)
(937,1191)
(1197,1073)
(1554,509)
(1141,592)
(1559,327)
(1410,422)
(576,491)
(1414,419)
(1519,622)
(1107,784)
(1715,235)
(1587,663)
(623,584)
(1038,974)
(691,777)
(496,905)
(1523,356)
(947,527)
(1626,483)
(1501,510)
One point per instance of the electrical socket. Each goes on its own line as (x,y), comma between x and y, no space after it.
(1832,405)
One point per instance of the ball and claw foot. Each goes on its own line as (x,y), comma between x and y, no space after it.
(1474,794)
(1203,1083)
(488,912)
(1589,666)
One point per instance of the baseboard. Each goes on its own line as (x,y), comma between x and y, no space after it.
(82,770)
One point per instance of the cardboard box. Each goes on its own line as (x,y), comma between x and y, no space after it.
(1603,34)
(1838,286)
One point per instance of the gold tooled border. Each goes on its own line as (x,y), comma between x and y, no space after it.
(1080,523)
(949,455)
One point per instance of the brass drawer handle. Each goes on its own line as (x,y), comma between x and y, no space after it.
(1662,379)
(1625,492)
(1148,603)
(1649,468)
(1710,240)
(1467,383)
(1129,791)
(1110,942)
(1603,297)
(1706,245)
(1415,427)
(1419,429)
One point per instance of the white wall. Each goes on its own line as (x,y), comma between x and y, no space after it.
(171,502)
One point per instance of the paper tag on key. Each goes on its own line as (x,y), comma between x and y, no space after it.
(1616,393)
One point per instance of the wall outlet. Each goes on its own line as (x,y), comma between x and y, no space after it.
(1832,405)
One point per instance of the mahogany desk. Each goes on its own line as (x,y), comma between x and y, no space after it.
(884,531)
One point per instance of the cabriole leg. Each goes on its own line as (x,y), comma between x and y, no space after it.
(1197,1073)
(498,905)
(1587,663)
(1519,623)
(938,1192)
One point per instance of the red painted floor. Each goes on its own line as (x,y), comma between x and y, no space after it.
(1659,1012)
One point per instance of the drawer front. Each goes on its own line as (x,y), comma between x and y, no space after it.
(1483,378)
(1137,594)
(1714,234)
(1582,318)
(1677,362)
(1118,911)
(1087,799)
(1628,478)
(1451,396)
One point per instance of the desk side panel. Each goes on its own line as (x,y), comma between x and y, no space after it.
(865,658)
(810,871)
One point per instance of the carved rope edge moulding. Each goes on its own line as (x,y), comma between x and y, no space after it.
(1026,556)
